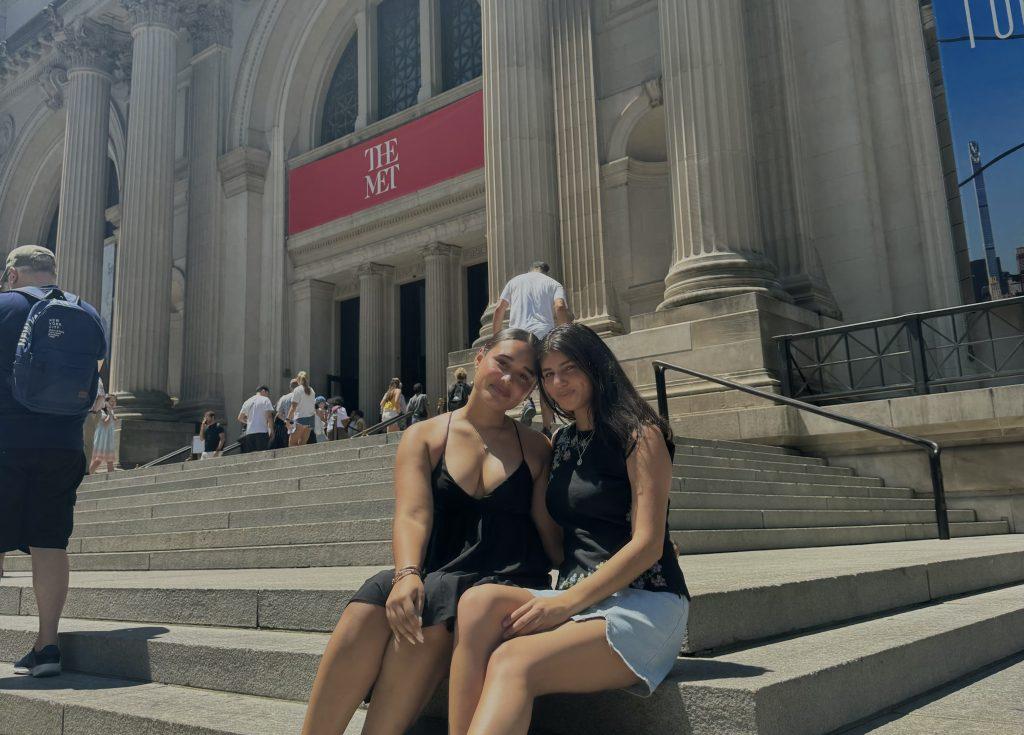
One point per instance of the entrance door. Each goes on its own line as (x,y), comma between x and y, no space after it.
(476,299)
(413,323)
(348,362)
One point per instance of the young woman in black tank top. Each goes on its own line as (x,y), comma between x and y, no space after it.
(618,616)
(467,488)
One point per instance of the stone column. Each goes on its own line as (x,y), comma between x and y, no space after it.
(375,343)
(519,143)
(142,314)
(441,328)
(430,49)
(719,248)
(579,180)
(202,380)
(313,304)
(83,191)
(366,51)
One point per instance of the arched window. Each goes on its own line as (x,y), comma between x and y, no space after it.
(342,103)
(398,55)
(460,41)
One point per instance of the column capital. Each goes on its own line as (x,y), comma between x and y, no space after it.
(243,169)
(438,250)
(209,24)
(152,13)
(367,270)
(88,45)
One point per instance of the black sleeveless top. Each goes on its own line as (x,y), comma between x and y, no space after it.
(490,539)
(592,502)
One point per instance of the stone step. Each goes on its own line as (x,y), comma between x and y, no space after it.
(810,683)
(330,552)
(715,519)
(270,510)
(704,460)
(712,542)
(760,487)
(741,596)
(771,475)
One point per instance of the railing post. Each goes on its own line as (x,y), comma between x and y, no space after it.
(918,356)
(785,378)
(659,384)
(939,491)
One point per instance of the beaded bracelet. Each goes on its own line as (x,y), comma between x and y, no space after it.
(404,572)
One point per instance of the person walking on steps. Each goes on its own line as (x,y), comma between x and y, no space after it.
(534,301)
(213,436)
(42,415)
(466,485)
(257,415)
(458,393)
(103,440)
(392,404)
(418,409)
(302,412)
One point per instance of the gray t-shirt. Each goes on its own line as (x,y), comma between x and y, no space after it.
(531,297)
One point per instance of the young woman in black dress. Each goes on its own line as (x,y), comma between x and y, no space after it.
(467,487)
(618,616)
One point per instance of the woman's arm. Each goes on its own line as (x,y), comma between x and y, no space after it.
(650,474)
(550,532)
(414,518)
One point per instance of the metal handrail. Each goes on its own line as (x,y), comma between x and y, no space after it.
(382,425)
(933,449)
(183,450)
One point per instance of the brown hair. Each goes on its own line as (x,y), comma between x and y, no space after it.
(303,379)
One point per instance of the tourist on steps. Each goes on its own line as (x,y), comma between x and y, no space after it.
(392,404)
(302,412)
(467,487)
(618,615)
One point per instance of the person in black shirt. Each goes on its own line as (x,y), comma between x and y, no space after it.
(619,580)
(469,486)
(212,434)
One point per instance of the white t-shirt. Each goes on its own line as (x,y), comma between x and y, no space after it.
(256,409)
(305,403)
(531,297)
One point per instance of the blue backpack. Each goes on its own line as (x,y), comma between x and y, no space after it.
(55,367)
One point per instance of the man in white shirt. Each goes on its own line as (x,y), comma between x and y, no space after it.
(535,302)
(258,416)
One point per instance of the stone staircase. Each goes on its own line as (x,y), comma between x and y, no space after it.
(202,595)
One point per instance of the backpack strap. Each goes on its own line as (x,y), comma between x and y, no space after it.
(44,294)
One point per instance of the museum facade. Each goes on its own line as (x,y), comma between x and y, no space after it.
(256,187)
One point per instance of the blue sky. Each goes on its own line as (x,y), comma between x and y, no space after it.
(985,94)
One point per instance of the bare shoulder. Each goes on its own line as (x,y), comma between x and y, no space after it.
(536,447)
(650,443)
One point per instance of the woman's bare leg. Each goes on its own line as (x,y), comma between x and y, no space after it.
(408,677)
(477,634)
(349,666)
(574,658)
(94,465)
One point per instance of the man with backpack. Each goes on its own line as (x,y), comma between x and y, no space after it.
(458,394)
(51,347)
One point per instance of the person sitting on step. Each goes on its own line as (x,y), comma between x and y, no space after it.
(468,487)
(618,616)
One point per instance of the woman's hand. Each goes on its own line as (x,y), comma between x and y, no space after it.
(404,609)
(536,616)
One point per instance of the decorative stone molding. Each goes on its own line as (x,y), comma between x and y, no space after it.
(153,13)
(409,272)
(652,88)
(243,169)
(475,254)
(6,134)
(87,45)
(209,24)
(374,269)
(52,81)
(439,249)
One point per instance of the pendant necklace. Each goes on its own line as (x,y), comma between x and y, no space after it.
(586,446)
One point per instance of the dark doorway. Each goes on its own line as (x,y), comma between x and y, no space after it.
(413,323)
(348,362)
(477,298)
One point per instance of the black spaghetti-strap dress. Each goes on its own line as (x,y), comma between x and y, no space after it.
(491,539)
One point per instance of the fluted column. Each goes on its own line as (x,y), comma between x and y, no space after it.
(202,383)
(579,184)
(440,325)
(519,143)
(718,243)
(375,347)
(83,193)
(141,318)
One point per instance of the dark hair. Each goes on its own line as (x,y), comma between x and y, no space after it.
(357,412)
(417,388)
(618,410)
(516,335)
(540,265)
(263,388)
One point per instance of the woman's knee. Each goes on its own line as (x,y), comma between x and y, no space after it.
(511,664)
(482,608)
(358,620)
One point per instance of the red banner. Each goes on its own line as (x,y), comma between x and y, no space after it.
(439,146)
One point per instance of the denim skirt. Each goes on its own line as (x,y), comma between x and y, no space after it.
(645,628)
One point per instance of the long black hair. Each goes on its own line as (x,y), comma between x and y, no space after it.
(618,411)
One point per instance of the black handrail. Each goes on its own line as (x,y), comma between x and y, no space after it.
(934,451)
(187,449)
(382,425)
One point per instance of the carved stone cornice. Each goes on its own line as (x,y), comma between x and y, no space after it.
(52,81)
(88,45)
(439,250)
(366,270)
(209,24)
(164,13)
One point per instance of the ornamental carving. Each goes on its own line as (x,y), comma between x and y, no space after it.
(209,24)
(152,13)
(652,88)
(52,81)
(88,45)
(6,135)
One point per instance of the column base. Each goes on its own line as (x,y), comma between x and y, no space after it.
(720,275)
(810,293)
(143,439)
(148,404)
(604,324)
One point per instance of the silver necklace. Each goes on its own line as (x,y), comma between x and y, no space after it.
(586,446)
